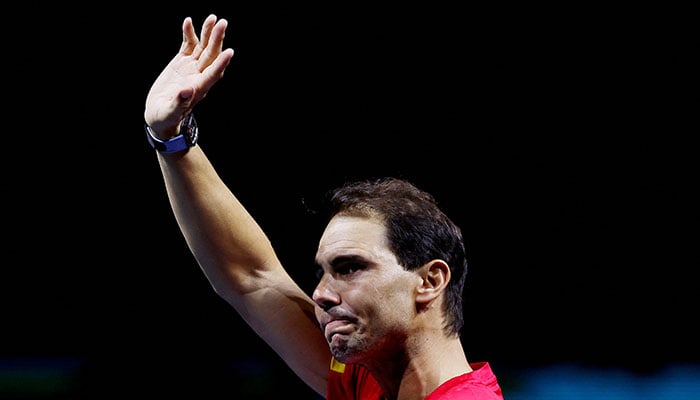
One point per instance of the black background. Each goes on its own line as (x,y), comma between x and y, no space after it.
(558,139)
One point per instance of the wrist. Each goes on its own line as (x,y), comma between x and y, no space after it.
(189,134)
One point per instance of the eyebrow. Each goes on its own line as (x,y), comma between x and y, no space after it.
(343,259)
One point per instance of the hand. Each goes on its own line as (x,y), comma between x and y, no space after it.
(186,80)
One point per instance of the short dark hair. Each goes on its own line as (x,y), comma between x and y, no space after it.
(418,231)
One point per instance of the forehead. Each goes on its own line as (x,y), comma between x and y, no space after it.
(352,235)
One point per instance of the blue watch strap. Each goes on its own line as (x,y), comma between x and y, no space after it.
(178,143)
(172,145)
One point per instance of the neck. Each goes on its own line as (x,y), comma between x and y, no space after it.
(427,362)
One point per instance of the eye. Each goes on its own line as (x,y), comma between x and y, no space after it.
(348,268)
(318,273)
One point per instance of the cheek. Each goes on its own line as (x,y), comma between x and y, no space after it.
(389,299)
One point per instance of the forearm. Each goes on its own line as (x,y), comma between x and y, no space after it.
(225,240)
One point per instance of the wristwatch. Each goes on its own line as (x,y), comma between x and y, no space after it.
(189,134)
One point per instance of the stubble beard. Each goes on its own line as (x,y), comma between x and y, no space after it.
(346,349)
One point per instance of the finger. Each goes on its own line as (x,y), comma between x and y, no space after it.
(216,70)
(207,27)
(215,40)
(189,37)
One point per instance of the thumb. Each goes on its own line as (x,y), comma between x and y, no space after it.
(186,94)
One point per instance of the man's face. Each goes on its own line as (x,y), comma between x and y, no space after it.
(365,301)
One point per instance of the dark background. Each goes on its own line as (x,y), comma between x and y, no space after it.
(558,139)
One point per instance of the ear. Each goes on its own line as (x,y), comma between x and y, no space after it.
(434,277)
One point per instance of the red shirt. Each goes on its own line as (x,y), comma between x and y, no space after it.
(354,382)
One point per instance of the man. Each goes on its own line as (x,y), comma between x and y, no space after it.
(391,264)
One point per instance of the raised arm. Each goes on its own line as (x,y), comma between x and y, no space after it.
(232,250)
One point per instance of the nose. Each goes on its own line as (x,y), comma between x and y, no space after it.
(325,296)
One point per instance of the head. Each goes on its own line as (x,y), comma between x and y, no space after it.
(383,239)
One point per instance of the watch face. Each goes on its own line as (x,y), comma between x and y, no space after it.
(190,129)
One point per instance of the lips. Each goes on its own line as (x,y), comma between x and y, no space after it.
(336,325)
(336,320)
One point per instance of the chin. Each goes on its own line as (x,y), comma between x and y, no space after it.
(346,354)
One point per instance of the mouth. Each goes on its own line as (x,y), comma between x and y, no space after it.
(337,327)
